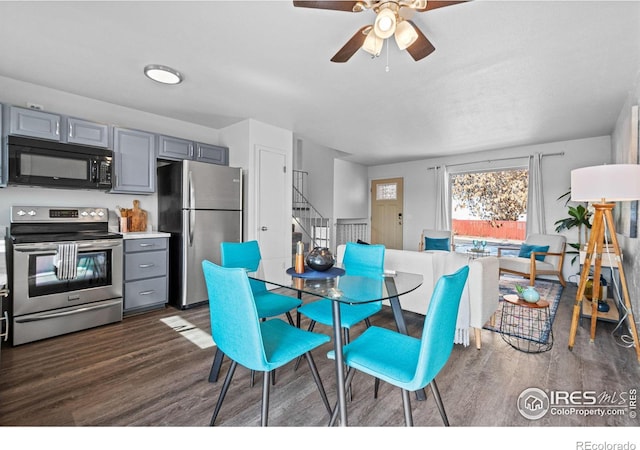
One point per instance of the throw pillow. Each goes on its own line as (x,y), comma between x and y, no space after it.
(525,251)
(437,244)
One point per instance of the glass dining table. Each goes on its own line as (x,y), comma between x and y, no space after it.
(351,289)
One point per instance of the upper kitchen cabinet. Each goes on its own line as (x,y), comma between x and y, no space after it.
(34,123)
(79,131)
(134,168)
(4,172)
(175,148)
(55,127)
(212,154)
(179,149)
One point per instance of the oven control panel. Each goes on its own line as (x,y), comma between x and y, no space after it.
(58,214)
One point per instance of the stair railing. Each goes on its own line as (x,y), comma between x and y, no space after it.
(313,225)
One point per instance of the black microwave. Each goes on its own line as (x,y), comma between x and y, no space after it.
(36,162)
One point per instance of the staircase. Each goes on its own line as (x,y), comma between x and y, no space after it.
(310,226)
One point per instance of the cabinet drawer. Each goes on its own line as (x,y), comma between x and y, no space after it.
(142,293)
(145,245)
(145,265)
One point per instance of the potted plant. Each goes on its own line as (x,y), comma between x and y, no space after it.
(580,217)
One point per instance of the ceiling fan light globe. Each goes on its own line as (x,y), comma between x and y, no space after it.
(405,35)
(385,24)
(372,44)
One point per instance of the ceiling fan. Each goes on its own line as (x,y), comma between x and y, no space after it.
(392,19)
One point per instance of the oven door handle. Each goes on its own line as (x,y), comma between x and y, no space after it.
(97,245)
(45,316)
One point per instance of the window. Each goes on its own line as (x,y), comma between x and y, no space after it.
(490,204)
(388,191)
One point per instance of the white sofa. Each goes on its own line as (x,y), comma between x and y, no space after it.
(481,292)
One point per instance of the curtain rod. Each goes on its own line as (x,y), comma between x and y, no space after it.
(497,159)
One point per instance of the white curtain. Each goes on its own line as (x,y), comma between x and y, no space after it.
(443,214)
(535,199)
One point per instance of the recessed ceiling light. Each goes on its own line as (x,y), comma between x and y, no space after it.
(163,74)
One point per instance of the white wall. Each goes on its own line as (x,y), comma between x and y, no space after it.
(18,93)
(419,180)
(350,190)
(621,143)
(243,139)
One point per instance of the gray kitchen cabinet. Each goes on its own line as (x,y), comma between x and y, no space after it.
(79,131)
(4,315)
(55,127)
(146,281)
(134,168)
(180,149)
(34,123)
(4,167)
(175,148)
(214,154)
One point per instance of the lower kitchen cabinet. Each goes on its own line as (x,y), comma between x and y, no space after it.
(146,267)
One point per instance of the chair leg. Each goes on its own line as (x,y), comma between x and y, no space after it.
(376,387)
(215,367)
(290,319)
(223,392)
(406,402)
(312,324)
(346,341)
(438,399)
(477,337)
(264,416)
(316,378)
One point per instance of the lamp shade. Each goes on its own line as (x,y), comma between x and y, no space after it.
(385,23)
(373,44)
(405,35)
(610,182)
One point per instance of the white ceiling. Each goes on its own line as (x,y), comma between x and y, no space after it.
(504,73)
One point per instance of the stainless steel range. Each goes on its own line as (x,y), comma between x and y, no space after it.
(64,269)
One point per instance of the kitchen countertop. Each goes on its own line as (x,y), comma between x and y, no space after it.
(145,235)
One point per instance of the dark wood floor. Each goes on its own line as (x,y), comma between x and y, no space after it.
(141,372)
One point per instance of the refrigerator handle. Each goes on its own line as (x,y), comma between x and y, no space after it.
(192,211)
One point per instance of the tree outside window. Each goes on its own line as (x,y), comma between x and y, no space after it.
(493,204)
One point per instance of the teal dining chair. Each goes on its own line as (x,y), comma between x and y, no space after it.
(405,361)
(259,345)
(358,260)
(247,255)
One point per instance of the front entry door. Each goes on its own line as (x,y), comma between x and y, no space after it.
(386,212)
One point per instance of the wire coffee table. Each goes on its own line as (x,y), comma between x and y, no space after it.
(526,326)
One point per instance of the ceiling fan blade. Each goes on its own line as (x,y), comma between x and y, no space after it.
(422,47)
(431,4)
(333,5)
(353,45)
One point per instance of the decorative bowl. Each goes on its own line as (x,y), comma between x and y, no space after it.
(320,259)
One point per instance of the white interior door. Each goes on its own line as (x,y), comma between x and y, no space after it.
(274,212)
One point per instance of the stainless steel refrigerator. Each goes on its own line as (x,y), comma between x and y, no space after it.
(200,204)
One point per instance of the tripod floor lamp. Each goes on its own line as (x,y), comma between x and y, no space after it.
(603,185)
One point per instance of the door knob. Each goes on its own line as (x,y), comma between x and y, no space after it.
(263,229)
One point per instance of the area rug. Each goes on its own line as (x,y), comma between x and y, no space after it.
(550,291)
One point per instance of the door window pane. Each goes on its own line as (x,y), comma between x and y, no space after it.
(387,191)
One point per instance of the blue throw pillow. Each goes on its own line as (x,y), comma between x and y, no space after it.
(525,251)
(437,244)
